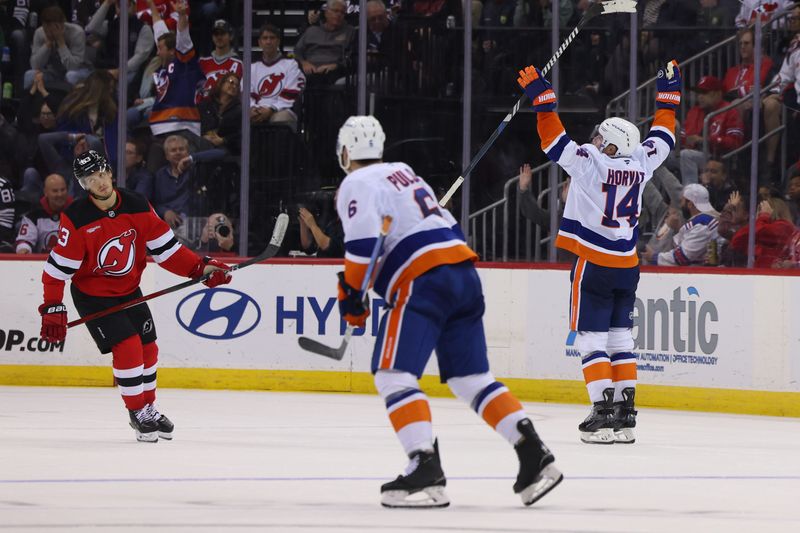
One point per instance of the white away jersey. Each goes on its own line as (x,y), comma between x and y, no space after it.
(277,85)
(422,235)
(601,216)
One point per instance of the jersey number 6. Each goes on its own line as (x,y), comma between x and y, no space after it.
(426,203)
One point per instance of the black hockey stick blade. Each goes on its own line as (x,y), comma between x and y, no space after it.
(318,348)
(278,232)
(597,8)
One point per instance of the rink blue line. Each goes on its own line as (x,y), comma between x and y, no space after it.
(383,478)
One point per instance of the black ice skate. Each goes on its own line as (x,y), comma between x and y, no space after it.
(165,426)
(422,485)
(537,474)
(145,426)
(598,428)
(625,417)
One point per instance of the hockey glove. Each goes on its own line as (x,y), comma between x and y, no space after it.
(217,269)
(351,304)
(668,86)
(54,322)
(538,89)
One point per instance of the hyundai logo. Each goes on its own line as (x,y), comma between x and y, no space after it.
(218,313)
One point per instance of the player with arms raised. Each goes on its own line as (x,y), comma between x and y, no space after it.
(435,302)
(102,243)
(600,227)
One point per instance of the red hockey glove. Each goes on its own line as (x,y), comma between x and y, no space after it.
(54,322)
(351,304)
(668,86)
(538,89)
(217,269)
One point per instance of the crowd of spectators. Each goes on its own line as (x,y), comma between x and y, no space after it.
(183,77)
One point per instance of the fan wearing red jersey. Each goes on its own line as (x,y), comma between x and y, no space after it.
(102,245)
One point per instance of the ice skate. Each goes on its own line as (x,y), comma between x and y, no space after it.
(422,486)
(165,425)
(598,428)
(145,426)
(537,474)
(625,417)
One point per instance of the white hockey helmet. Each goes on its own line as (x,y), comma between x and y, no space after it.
(621,133)
(363,137)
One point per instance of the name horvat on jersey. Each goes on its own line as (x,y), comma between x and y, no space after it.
(625,178)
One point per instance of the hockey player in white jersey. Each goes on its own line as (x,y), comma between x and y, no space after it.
(435,301)
(600,226)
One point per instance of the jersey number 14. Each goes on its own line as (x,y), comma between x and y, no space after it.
(627,207)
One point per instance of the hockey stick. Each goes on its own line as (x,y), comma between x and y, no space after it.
(337,353)
(272,248)
(598,8)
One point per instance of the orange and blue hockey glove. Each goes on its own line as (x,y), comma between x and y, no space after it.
(538,89)
(668,86)
(352,306)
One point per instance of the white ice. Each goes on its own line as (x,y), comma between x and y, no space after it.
(297,462)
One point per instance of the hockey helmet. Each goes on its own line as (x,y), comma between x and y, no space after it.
(88,163)
(619,132)
(363,137)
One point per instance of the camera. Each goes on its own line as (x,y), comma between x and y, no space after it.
(221,228)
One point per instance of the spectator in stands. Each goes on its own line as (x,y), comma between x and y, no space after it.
(136,173)
(774,230)
(8,216)
(221,115)
(790,257)
(276,82)
(662,239)
(104,26)
(540,216)
(661,192)
(36,115)
(712,15)
(739,79)
(325,241)
(91,108)
(217,237)
(149,10)
(324,50)
(715,179)
(174,109)
(793,198)
(733,217)
(786,93)
(725,132)
(58,51)
(381,37)
(38,230)
(170,190)
(496,13)
(690,244)
(763,9)
(223,59)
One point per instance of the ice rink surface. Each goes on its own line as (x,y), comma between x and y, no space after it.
(296,462)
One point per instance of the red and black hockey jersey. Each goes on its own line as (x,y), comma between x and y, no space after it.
(214,68)
(103,252)
(38,229)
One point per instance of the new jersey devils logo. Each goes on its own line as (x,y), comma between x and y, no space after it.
(271,85)
(117,255)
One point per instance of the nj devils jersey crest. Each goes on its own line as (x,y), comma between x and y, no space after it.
(271,85)
(118,255)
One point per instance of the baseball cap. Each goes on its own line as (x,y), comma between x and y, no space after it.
(698,195)
(222,25)
(708,83)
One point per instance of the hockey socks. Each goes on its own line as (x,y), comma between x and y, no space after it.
(128,366)
(150,360)
(492,401)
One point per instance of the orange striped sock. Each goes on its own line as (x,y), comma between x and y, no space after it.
(597,374)
(500,409)
(623,372)
(410,415)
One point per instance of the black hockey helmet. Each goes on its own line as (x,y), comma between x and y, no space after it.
(87,163)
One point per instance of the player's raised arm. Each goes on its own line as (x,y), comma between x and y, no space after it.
(661,138)
(555,142)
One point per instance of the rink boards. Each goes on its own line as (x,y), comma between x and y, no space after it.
(705,341)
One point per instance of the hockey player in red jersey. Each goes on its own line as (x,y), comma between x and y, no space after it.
(102,243)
